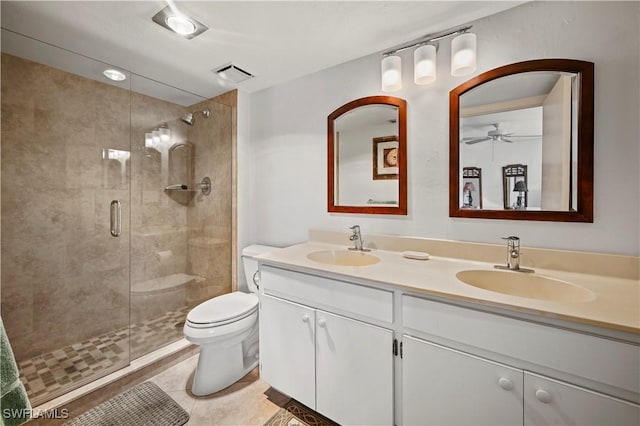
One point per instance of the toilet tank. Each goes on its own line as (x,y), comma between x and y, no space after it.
(251,264)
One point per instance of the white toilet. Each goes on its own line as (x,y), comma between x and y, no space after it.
(226,328)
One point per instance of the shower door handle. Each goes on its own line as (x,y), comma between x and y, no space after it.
(116,218)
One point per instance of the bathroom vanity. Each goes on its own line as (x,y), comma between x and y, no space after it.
(403,341)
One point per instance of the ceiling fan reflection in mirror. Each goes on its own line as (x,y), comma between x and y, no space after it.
(497,134)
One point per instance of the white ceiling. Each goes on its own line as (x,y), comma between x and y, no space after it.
(276,41)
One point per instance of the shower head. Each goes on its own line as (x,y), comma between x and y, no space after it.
(190,118)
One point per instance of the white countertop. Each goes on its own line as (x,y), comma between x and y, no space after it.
(616,305)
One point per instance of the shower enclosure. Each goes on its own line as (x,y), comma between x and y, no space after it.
(109,232)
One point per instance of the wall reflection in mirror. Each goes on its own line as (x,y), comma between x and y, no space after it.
(525,126)
(366,161)
(366,157)
(521,119)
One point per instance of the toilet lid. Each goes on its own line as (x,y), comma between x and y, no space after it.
(223,308)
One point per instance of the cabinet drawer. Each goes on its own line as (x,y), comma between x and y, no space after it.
(610,362)
(326,293)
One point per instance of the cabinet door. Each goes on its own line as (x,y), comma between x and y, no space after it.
(287,348)
(354,371)
(549,402)
(441,386)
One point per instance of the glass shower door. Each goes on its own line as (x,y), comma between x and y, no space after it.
(65,216)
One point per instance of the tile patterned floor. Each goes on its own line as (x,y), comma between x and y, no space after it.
(153,334)
(49,375)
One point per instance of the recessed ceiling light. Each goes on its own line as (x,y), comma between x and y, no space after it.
(179,23)
(114,75)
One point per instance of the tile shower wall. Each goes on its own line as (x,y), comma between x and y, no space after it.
(64,278)
(209,241)
(158,219)
(181,240)
(71,145)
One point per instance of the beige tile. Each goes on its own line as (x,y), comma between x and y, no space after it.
(17,312)
(183,398)
(18,80)
(178,377)
(243,403)
(18,127)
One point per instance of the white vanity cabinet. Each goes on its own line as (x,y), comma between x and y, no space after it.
(329,343)
(441,386)
(339,366)
(464,387)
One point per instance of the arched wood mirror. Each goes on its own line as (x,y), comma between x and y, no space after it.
(367,156)
(529,127)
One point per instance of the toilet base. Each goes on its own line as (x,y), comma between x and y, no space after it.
(220,367)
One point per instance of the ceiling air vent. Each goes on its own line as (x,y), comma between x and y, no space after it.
(233,73)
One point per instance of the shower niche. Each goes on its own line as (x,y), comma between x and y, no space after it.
(181,180)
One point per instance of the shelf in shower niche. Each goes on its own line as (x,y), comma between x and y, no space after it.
(164,284)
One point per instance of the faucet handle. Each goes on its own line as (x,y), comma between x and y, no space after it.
(511,238)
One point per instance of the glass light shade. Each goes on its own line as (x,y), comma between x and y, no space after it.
(181,24)
(424,64)
(463,54)
(391,73)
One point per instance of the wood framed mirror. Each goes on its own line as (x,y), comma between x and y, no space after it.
(538,113)
(367,157)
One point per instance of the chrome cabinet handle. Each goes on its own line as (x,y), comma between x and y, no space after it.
(116,218)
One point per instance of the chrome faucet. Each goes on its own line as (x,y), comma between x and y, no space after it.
(356,237)
(513,255)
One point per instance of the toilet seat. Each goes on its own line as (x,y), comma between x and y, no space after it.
(222,310)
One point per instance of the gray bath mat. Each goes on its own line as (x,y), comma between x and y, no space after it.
(143,405)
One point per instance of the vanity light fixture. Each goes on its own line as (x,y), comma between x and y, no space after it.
(463,58)
(424,64)
(391,73)
(463,54)
(178,22)
(114,75)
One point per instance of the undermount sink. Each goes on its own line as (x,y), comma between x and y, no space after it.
(343,257)
(531,286)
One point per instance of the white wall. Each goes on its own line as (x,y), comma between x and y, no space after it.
(285,178)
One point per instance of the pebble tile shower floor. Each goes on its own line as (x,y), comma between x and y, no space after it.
(51,374)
